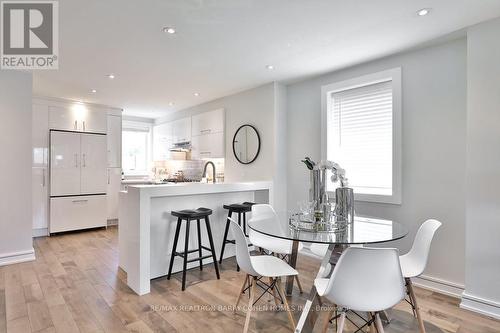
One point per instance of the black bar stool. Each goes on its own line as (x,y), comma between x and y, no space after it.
(188,216)
(241,209)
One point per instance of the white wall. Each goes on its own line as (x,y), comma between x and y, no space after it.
(280,155)
(15,168)
(255,107)
(434,127)
(482,277)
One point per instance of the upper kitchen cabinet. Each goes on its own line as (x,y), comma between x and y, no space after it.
(208,122)
(40,135)
(181,130)
(114,141)
(208,146)
(162,141)
(77,117)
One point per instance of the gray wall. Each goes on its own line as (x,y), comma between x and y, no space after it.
(482,291)
(434,128)
(15,167)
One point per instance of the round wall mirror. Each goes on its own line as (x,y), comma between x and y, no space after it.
(246,144)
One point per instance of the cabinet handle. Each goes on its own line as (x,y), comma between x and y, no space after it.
(206,131)
(84,163)
(84,125)
(205,152)
(43,178)
(78,201)
(76,160)
(76,125)
(108,177)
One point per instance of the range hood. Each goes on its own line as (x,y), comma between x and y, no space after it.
(181,147)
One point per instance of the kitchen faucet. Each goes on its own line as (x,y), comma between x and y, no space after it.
(204,174)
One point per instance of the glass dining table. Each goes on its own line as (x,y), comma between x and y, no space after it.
(363,231)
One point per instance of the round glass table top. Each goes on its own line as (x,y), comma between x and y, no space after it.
(364,230)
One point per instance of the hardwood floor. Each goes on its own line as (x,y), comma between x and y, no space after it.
(75,285)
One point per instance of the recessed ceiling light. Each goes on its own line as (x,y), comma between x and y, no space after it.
(111,76)
(196,94)
(270,67)
(423,11)
(93,91)
(171,103)
(169,30)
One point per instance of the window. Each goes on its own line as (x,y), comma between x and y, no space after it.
(362,132)
(135,148)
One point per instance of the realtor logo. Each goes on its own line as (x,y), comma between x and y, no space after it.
(29,35)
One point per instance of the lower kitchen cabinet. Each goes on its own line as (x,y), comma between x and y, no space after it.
(113,192)
(76,213)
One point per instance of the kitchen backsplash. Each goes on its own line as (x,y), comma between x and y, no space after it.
(192,169)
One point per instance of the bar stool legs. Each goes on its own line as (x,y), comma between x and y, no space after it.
(188,217)
(211,241)
(174,248)
(225,240)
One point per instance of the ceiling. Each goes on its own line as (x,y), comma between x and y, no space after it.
(223,46)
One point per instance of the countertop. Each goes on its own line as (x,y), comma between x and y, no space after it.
(174,189)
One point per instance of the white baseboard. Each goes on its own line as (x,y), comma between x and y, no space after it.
(439,285)
(480,305)
(17,257)
(42,232)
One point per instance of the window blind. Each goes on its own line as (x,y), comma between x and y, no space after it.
(360,136)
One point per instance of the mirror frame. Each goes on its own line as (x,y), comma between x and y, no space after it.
(258,148)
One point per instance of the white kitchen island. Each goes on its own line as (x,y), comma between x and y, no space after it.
(146,228)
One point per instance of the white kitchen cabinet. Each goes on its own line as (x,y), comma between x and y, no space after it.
(93,164)
(114,134)
(75,213)
(113,191)
(77,118)
(40,136)
(162,141)
(208,146)
(39,192)
(65,163)
(181,130)
(208,122)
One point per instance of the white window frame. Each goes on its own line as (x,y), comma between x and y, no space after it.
(393,75)
(129,125)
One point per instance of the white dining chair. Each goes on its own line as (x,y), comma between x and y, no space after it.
(272,245)
(413,263)
(350,287)
(258,268)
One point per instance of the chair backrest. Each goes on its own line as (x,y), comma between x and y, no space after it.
(367,279)
(242,254)
(263,211)
(419,252)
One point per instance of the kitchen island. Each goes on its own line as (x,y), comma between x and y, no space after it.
(147,229)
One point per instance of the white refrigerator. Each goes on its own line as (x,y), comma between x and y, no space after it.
(78,181)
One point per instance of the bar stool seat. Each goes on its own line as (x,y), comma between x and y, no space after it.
(241,209)
(188,215)
(192,214)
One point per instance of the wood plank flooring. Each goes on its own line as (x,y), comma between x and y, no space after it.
(75,285)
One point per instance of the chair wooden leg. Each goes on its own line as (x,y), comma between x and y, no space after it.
(372,328)
(287,308)
(299,284)
(250,304)
(326,322)
(378,323)
(241,293)
(341,322)
(273,289)
(415,304)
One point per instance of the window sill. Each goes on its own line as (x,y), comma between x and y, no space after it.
(377,198)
